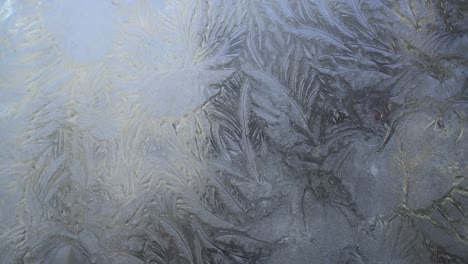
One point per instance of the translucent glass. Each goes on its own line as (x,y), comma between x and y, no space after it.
(233,131)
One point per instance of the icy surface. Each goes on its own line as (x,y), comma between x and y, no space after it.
(233,131)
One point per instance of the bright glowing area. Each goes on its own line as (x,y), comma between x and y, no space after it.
(84,30)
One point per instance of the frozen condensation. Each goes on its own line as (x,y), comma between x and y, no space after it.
(233,131)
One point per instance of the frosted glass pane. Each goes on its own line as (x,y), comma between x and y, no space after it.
(233,131)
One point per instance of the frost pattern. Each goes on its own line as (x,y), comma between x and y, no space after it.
(234,131)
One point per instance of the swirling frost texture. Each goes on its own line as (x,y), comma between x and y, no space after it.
(234,131)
